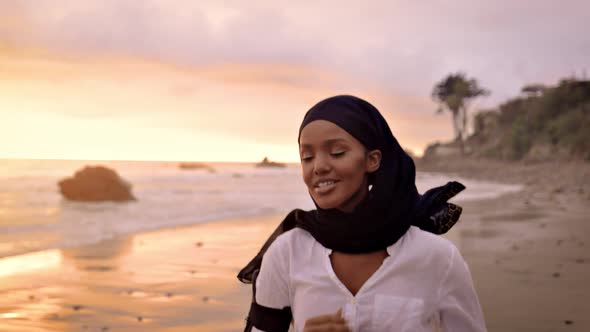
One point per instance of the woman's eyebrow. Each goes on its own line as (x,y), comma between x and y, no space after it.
(327,142)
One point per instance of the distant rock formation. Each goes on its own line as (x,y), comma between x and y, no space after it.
(194,165)
(444,150)
(95,184)
(267,163)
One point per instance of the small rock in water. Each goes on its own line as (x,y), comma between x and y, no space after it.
(205,298)
(580,261)
(31,297)
(77,307)
(139,318)
(105,328)
(568,322)
(556,275)
(559,242)
(169,294)
(199,244)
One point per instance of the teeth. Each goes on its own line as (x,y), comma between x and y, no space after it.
(326,183)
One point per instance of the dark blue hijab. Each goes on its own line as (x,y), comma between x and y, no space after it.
(393,203)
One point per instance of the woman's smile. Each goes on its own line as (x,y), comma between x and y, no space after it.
(325,187)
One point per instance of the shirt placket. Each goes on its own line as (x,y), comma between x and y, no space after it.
(350,308)
(350,314)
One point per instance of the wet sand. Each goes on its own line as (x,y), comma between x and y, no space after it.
(528,253)
(174,280)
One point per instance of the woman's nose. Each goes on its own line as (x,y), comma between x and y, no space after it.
(321,165)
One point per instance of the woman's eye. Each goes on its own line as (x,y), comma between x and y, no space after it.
(306,158)
(337,154)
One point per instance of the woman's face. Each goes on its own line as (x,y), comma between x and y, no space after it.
(335,165)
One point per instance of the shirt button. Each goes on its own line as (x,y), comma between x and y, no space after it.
(353,301)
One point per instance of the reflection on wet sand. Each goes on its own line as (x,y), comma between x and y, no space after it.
(102,257)
(170,280)
(28,263)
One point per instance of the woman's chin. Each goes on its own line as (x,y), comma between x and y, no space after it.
(327,206)
(322,204)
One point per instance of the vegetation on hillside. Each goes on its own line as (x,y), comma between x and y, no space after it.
(544,123)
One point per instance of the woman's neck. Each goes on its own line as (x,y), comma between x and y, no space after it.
(353,270)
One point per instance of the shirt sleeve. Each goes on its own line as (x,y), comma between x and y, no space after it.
(459,307)
(272,285)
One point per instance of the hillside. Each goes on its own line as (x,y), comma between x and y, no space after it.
(545,123)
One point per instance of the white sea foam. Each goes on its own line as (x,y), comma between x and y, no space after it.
(33,215)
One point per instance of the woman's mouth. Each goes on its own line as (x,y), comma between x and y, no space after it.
(324,187)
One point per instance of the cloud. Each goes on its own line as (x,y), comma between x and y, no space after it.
(405,46)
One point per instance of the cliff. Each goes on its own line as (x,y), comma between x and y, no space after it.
(545,123)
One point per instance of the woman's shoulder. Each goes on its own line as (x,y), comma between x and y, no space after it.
(292,240)
(428,245)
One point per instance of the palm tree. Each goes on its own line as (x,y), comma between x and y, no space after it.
(454,93)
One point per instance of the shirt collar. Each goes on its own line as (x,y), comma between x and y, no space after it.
(390,249)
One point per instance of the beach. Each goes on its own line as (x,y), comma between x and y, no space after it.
(527,251)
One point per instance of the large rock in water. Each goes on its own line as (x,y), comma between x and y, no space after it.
(95,184)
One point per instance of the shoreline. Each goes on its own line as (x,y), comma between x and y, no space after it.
(230,219)
(50,238)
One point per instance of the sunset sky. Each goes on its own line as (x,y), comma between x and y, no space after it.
(231,80)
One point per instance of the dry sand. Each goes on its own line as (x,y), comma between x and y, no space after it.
(528,253)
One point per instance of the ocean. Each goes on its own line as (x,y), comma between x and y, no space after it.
(34,216)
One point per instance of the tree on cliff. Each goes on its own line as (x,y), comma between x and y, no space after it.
(454,93)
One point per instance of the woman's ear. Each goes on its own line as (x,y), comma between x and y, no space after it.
(373,160)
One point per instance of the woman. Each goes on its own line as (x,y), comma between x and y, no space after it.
(366,258)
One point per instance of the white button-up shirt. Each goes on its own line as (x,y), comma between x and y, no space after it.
(423,282)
